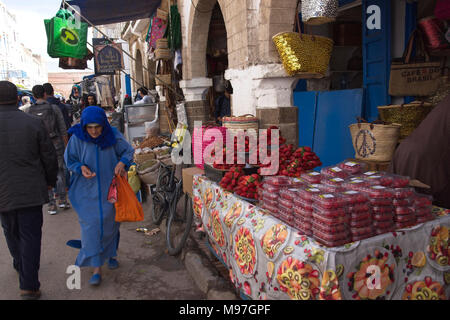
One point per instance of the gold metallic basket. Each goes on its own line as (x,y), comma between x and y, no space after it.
(303,55)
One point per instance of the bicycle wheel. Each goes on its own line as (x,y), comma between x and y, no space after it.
(179,222)
(158,208)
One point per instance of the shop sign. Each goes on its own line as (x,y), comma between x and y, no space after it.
(108,57)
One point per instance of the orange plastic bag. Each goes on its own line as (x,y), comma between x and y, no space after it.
(128,207)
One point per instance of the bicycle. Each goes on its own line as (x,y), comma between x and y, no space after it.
(168,198)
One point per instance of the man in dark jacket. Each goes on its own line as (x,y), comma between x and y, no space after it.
(65,109)
(28,168)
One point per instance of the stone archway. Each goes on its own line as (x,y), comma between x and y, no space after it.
(197,32)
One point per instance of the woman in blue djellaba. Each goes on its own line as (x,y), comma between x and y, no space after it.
(95,153)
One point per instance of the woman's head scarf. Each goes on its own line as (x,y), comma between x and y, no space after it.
(97,115)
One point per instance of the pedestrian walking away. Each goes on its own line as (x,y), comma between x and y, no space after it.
(65,109)
(54,123)
(28,167)
(95,153)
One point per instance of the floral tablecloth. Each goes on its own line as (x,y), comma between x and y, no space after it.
(268,259)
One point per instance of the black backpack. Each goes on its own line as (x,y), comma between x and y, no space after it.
(46,113)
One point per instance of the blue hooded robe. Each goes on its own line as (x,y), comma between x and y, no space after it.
(99,231)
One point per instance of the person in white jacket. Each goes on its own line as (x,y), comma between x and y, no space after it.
(145,98)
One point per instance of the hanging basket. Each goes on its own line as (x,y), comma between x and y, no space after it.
(374,142)
(303,55)
(163,79)
(163,54)
(317,12)
(162,43)
(163,15)
(409,115)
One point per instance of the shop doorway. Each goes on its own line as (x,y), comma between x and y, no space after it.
(216,56)
(356,83)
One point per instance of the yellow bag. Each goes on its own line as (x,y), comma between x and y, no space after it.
(133,179)
(128,207)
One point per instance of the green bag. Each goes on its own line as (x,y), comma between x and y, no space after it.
(65,37)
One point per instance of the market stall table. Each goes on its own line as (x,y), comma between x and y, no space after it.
(268,259)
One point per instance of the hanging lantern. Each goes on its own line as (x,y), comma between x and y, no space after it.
(316,12)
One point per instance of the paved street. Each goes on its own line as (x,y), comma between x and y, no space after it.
(145,272)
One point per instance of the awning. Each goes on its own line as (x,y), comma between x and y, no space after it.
(100,12)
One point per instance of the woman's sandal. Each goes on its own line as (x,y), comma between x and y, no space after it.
(113,264)
(95,279)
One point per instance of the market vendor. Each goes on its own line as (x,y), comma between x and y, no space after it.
(144,98)
(425,154)
(222,105)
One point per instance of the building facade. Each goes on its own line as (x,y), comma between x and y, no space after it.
(237,34)
(18,64)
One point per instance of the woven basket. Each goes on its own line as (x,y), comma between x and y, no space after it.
(141,158)
(162,43)
(163,54)
(164,5)
(163,15)
(163,79)
(244,122)
(303,55)
(408,115)
(374,142)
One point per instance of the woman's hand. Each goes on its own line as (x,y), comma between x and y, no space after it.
(87,173)
(120,169)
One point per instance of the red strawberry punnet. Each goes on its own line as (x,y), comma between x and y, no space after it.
(329,200)
(422,200)
(383,217)
(399,181)
(334,172)
(379,192)
(402,193)
(360,223)
(311,177)
(404,210)
(402,202)
(358,216)
(352,167)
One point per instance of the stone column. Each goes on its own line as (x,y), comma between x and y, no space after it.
(197,107)
(266,92)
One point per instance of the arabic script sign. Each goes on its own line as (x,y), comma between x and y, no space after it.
(108,57)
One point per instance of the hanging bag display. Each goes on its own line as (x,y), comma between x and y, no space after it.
(442,9)
(409,115)
(374,141)
(157,31)
(66,36)
(433,31)
(414,78)
(303,55)
(316,12)
(128,207)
